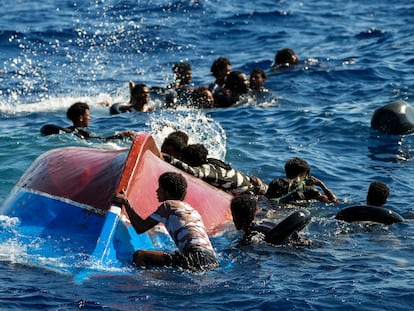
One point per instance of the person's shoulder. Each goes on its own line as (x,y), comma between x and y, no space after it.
(277,187)
(80,132)
(177,205)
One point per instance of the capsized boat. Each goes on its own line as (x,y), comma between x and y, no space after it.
(65,220)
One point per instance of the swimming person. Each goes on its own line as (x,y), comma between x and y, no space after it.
(173,145)
(183,223)
(373,211)
(138,101)
(257,80)
(285,57)
(79,114)
(235,86)
(378,193)
(220,69)
(183,76)
(244,209)
(298,185)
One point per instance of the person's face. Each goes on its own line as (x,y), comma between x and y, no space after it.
(84,120)
(244,87)
(145,95)
(208,99)
(222,74)
(142,98)
(256,80)
(161,194)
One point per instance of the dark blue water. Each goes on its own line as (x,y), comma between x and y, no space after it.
(355,56)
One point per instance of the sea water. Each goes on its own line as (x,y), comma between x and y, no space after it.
(355,56)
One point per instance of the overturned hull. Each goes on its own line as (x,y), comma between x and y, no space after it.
(63,212)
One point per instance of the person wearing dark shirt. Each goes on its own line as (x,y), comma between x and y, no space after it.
(298,185)
(79,114)
(139,100)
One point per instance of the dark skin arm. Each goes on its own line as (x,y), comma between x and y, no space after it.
(140,225)
(328,195)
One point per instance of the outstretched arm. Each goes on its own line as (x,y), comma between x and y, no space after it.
(140,225)
(121,135)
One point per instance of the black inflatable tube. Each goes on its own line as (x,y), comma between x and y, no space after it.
(116,108)
(395,118)
(377,214)
(51,129)
(284,229)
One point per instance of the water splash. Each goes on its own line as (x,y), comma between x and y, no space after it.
(200,128)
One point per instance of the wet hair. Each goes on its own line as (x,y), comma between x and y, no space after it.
(259,71)
(181,68)
(378,193)
(175,184)
(243,210)
(236,82)
(218,65)
(173,145)
(296,167)
(286,56)
(194,155)
(180,134)
(76,110)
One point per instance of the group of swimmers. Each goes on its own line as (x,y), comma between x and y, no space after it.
(184,224)
(227,89)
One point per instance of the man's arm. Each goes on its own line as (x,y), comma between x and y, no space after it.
(329,195)
(195,171)
(140,225)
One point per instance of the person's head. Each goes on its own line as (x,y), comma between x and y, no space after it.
(297,167)
(286,57)
(378,193)
(237,83)
(203,97)
(180,134)
(243,210)
(194,155)
(173,145)
(257,78)
(140,95)
(220,68)
(171,186)
(183,73)
(79,114)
